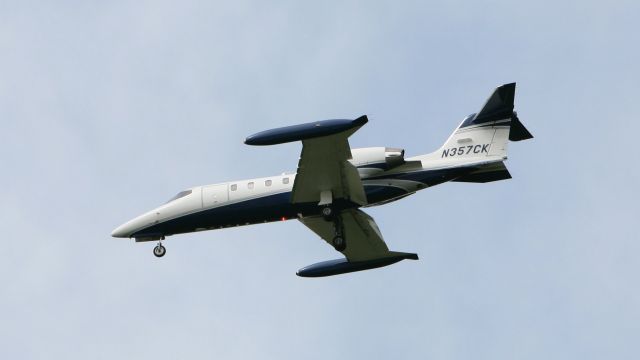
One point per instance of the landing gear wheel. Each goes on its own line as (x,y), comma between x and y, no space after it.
(339,243)
(159,250)
(327,213)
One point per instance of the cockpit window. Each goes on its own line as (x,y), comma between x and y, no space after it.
(179,195)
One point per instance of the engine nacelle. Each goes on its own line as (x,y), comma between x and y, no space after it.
(382,158)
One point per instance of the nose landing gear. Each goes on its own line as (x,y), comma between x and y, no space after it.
(159,250)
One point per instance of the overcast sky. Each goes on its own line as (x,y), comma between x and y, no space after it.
(107,109)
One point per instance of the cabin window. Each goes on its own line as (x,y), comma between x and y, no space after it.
(267,183)
(285,180)
(234,187)
(250,185)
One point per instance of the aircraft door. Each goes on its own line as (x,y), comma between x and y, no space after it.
(214,195)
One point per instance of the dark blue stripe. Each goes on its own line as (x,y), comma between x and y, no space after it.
(381,166)
(380,193)
(428,177)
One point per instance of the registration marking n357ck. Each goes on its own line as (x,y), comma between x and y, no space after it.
(466,150)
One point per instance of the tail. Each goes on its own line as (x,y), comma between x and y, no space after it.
(487,132)
(483,137)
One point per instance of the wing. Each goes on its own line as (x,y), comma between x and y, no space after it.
(364,240)
(325,174)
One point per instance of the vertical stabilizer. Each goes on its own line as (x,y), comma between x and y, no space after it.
(487,132)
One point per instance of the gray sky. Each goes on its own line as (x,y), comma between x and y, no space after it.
(109,108)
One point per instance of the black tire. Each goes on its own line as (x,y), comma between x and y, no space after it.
(327,213)
(339,243)
(159,251)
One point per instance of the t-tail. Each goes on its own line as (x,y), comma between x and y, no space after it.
(480,142)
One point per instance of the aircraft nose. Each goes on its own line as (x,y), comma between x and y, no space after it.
(134,225)
(122,231)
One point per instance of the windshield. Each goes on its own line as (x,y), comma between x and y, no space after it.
(179,195)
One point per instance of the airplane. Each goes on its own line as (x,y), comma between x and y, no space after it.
(334,182)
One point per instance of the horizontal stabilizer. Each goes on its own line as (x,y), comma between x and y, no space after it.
(486,173)
(304,131)
(518,131)
(343,266)
(485,177)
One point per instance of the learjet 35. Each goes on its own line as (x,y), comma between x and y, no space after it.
(333,182)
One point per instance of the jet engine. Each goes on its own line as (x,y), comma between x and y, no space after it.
(381,158)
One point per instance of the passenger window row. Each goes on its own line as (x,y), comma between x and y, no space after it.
(250,185)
